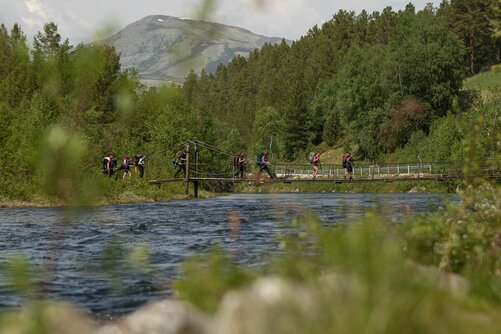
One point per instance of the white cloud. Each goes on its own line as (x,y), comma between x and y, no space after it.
(36,8)
(78,19)
(279,18)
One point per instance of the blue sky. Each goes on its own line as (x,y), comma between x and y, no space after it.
(81,20)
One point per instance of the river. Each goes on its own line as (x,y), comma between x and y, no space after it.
(71,261)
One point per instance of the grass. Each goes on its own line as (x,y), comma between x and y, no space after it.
(489,80)
(378,187)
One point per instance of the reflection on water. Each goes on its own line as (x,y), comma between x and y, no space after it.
(245,224)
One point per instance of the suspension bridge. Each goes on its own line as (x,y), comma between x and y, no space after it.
(207,163)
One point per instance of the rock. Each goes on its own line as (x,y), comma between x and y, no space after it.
(62,318)
(138,229)
(270,305)
(417,189)
(164,317)
(451,282)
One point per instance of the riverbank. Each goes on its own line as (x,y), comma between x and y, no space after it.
(168,192)
(439,187)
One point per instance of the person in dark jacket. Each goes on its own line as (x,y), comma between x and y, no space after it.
(348,165)
(181,163)
(239,162)
(139,162)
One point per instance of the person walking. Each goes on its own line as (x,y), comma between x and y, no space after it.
(139,162)
(239,162)
(315,163)
(348,165)
(109,164)
(125,165)
(181,163)
(262,162)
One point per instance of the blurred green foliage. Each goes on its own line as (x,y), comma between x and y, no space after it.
(360,279)
(353,81)
(467,239)
(205,278)
(20,275)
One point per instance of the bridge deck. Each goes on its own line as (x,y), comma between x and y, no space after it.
(197,171)
(310,179)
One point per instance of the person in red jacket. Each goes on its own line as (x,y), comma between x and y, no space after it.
(315,162)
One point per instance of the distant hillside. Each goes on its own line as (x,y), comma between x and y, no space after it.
(165,48)
(489,80)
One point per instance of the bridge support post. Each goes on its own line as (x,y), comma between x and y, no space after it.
(195,183)
(187,171)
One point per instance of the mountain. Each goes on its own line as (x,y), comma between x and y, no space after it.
(165,48)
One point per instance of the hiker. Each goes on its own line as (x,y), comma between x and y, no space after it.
(109,164)
(239,161)
(348,165)
(315,162)
(139,161)
(106,165)
(180,163)
(124,164)
(262,162)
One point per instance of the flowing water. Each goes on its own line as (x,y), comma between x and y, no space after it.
(84,260)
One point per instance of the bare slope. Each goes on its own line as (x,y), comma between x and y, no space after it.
(165,48)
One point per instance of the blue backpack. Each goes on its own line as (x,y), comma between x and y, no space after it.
(259,158)
(310,157)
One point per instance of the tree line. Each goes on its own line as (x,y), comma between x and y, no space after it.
(376,83)
(368,79)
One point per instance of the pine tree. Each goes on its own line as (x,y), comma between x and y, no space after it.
(472,21)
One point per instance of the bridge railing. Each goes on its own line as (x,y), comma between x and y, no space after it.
(366,171)
(432,170)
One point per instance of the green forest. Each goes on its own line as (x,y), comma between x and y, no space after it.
(388,86)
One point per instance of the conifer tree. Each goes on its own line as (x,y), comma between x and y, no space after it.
(472,21)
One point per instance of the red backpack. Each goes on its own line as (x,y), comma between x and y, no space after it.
(346,156)
(125,162)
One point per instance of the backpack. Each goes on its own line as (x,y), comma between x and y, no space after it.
(310,157)
(259,158)
(346,156)
(113,163)
(177,159)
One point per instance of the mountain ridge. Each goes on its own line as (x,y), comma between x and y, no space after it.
(164,48)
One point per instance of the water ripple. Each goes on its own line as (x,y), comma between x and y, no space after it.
(86,261)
